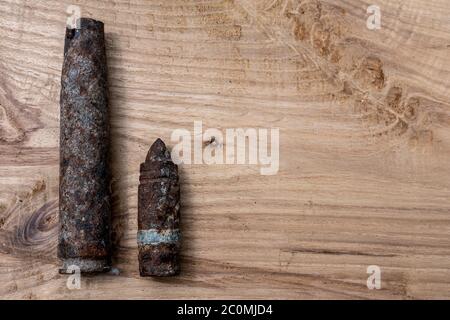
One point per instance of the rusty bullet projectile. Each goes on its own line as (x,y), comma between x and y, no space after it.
(158,214)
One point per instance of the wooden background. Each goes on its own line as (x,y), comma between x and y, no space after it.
(364,120)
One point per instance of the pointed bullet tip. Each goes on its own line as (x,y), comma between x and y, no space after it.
(158,146)
(159,142)
(159,151)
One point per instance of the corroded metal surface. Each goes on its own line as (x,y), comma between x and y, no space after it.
(159,214)
(84,238)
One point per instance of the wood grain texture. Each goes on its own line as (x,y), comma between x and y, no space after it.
(364,120)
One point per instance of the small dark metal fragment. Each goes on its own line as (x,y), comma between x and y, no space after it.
(84,190)
(159,214)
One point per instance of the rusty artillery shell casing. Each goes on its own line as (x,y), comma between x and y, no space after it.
(84,189)
(159,214)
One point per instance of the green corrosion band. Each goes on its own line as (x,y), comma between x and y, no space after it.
(154,236)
